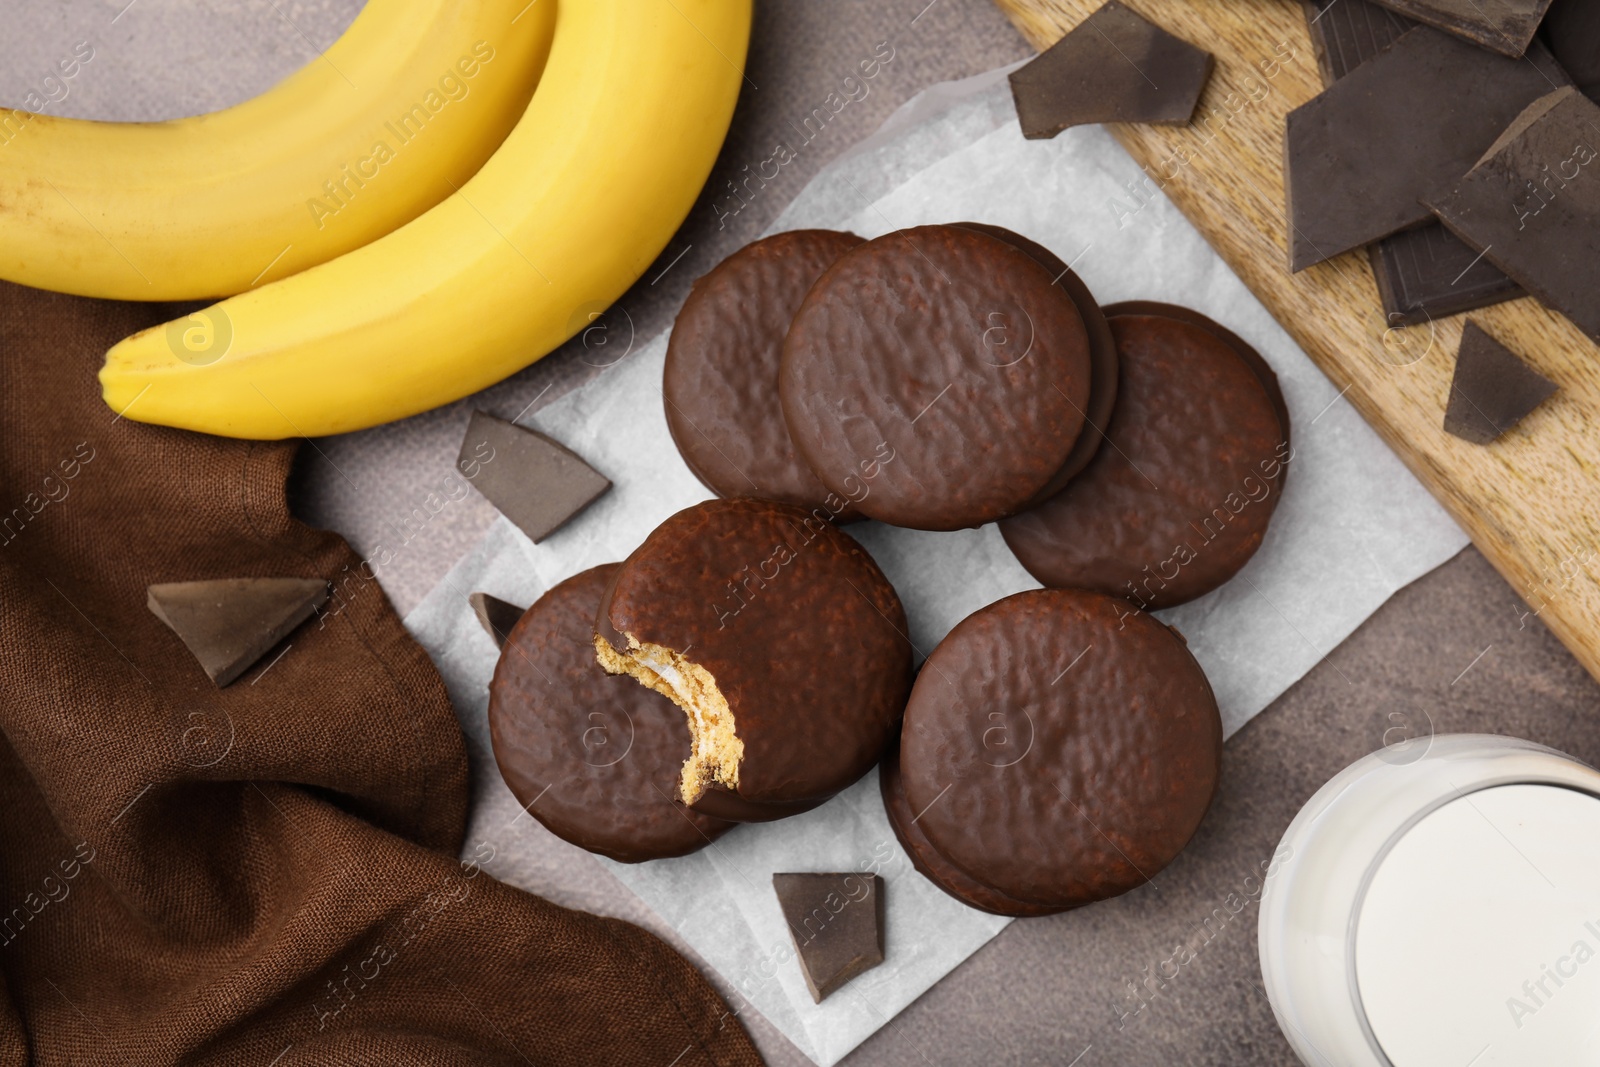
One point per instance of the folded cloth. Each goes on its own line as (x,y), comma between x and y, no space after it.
(269,873)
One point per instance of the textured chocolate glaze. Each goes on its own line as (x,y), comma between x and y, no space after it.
(1196,435)
(720,802)
(1259,366)
(1102,354)
(953,353)
(927,859)
(1060,746)
(593,756)
(720,386)
(795,622)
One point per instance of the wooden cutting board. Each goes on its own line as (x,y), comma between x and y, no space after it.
(1530,501)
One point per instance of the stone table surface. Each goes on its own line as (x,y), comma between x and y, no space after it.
(1456,651)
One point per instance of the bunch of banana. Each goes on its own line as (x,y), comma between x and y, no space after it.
(400,111)
(581,197)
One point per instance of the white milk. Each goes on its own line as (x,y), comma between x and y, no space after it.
(1440,905)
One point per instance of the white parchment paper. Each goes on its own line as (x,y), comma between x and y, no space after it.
(1352,527)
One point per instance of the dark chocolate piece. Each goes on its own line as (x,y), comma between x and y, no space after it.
(230,623)
(495,616)
(1492,390)
(1429,273)
(1426,272)
(1060,747)
(836,921)
(720,383)
(1532,204)
(780,636)
(1347,33)
(1115,66)
(1408,122)
(1572,32)
(535,481)
(930,862)
(1182,498)
(592,756)
(938,377)
(1503,26)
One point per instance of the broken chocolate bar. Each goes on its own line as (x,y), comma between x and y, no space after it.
(496,616)
(1492,390)
(836,921)
(1504,26)
(1407,122)
(1116,66)
(1532,204)
(1572,33)
(230,623)
(536,482)
(1347,33)
(1426,272)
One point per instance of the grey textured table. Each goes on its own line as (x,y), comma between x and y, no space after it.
(1454,652)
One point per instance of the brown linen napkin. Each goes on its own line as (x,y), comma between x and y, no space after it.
(267,873)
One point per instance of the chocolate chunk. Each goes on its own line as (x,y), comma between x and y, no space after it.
(836,921)
(1182,498)
(1347,33)
(1492,390)
(593,756)
(720,382)
(1410,121)
(495,615)
(230,623)
(1532,203)
(536,482)
(781,639)
(1504,26)
(1116,66)
(1426,272)
(1572,32)
(938,377)
(1059,747)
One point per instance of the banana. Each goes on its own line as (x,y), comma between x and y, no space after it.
(400,110)
(582,196)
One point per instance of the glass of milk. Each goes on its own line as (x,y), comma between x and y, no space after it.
(1440,905)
